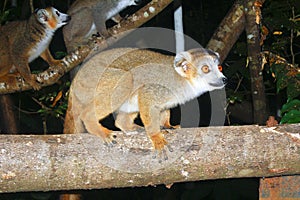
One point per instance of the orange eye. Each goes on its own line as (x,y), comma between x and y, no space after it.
(205,69)
(220,68)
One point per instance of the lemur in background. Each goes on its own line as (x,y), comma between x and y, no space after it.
(89,17)
(23,41)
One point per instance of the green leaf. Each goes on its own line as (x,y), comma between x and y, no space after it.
(281,83)
(60,54)
(291,105)
(41,111)
(293,90)
(235,98)
(291,117)
(5,15)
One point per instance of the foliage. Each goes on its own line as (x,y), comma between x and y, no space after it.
(281,31)
(283,21)
(291,112)
(53,101)
(4,16)
(282,18)
(288,79)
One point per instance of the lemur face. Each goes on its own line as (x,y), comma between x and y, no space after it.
(201,68)
(52,18)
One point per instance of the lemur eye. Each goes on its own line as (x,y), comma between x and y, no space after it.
(57,13)
(220,68)
(205,69)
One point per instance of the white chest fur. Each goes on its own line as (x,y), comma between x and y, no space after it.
(41,46)
(115,10)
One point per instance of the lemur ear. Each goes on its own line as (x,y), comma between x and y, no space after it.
(42,15)
(182,64)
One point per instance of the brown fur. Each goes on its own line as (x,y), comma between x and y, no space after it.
(84,14)
(17,43)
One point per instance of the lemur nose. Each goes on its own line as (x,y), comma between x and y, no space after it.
(137,2)
(224,79)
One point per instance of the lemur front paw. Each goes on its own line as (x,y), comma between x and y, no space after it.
(33,82)
(109,138)
(159,143)
(105,134)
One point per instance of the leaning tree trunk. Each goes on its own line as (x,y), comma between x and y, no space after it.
(229,31)
(255,64)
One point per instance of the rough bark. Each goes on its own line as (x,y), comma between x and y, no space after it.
(228,31)
(50,76)
(255,63)
(82,161)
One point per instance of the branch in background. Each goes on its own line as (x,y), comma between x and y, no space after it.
(31,6)
(254,58)
(48,77)
(292,38)
(272,58)
(54,73)
(228,31)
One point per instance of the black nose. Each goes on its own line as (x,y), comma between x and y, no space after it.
(137,2)
(224,79)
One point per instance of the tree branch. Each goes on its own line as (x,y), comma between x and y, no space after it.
(51,75)
(82,161)
(229,30)
(255,63)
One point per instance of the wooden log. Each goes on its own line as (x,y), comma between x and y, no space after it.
(83,161)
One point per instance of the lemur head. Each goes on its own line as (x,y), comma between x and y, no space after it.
(52,18)
(201,67)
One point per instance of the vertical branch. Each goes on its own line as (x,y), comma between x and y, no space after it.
(4,5)
(292,38)
(31,6)
(254,58)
